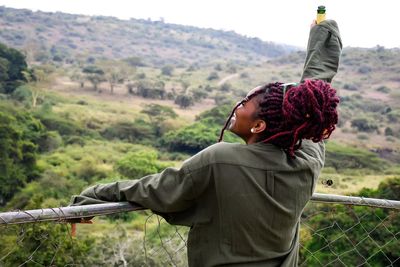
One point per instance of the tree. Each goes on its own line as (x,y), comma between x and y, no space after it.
(94,74)
(138,164)
(37,78)
(158,114)
(167,70)
(135,61)
(364,125)
(199,94)
(226,87)
(212,76)
(371,229)
(19,135)
(184,101)
(12,66)
(116,72)
(149,89)
(78,77)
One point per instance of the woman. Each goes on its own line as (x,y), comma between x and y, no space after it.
(243,201)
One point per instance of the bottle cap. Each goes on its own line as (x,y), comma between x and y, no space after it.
(321,10)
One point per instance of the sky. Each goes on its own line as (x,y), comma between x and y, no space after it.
(362,23)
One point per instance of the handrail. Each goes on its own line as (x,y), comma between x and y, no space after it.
(63,214)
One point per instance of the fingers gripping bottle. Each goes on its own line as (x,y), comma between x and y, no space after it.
(321,12)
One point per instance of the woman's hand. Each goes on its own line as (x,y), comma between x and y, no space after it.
(313,23)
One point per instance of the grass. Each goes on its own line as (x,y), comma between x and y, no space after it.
(347,184)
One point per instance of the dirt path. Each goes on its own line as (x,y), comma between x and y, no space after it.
(227,78)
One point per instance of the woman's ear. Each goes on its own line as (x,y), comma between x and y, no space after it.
(259,126)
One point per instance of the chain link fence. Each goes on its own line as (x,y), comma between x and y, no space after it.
(335,231)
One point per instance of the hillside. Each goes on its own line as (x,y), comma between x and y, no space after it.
(104,99)
(68,38)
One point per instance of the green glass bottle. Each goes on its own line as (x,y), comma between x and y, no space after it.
(321,12)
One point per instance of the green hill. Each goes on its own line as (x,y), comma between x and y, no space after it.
(68,38)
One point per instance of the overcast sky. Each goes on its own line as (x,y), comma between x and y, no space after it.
(362,23)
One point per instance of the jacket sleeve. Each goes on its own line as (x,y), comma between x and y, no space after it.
(172,190)
(323,52)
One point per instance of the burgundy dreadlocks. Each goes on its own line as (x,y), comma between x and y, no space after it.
(305,111)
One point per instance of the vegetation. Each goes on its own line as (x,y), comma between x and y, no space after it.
(83,40)
(86,112)
(378,246)
(12,67)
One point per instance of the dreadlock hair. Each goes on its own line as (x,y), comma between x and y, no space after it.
(305,111)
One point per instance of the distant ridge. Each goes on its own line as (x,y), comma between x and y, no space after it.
(66,38)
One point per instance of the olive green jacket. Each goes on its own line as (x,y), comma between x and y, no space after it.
(323,52)
(242,202)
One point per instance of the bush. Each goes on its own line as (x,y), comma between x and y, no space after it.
(63,126)
(364,125)
(184,101)
(201,134)
(389,131)
(167,70)
(362,137)
(132,132)
(347,218)
(19,137)
(148,89)
(50,141)
(343,157)
(213,76)
(88,169)
(244,75)
(12,66)
(393,116)
(364,69)
(350,87)
(138,164)
(383,89)
(226,87)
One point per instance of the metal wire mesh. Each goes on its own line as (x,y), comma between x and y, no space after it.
(51,244)
(345,235)
(331,235)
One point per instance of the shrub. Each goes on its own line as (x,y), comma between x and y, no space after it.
(184,101)
(63,126)
(343,157)
(19,136)
(354,222)
(364,69)
(50,141)
(393,116)
(244,75)
(138,164)
(389,131)
(213,76)
(350,87)
(364,125)
(132,132)
(383,89)
(362,137)
(167,70)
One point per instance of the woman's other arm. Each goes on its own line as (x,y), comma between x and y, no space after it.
(323,52)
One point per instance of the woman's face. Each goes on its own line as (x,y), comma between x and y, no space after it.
(244,118)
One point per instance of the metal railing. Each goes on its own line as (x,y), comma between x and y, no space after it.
(335,231)
(74,212)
